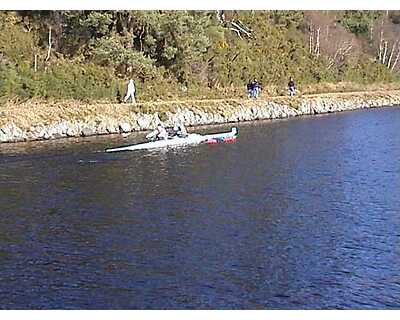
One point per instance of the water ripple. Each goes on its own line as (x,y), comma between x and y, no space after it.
(297,214)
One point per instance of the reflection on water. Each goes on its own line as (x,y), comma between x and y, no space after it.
(297,214)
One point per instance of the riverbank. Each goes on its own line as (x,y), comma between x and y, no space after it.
(40,121)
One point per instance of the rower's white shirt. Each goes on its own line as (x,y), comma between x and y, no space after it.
(180,127)
(162,133)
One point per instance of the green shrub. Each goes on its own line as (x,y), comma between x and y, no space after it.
(172,55)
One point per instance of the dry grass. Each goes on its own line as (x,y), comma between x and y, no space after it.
(341,87)
(36,112)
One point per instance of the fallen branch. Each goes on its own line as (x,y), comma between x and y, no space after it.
(237,31)
(236,25)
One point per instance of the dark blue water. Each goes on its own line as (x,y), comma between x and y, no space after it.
(297,214)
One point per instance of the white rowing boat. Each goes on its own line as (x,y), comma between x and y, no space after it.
(192,138)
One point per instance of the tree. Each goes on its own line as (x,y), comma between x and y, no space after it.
(329,38)
(386,42)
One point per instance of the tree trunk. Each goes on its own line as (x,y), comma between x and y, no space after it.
(391,54)
(49,50)
(397,58)
(141,39)
(385,52)
(380,47)
(317,43)
(221,16)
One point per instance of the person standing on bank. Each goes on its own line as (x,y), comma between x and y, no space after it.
(291,87)
(256,88)
(130,93)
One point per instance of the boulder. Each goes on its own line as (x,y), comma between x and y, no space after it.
(12,133)
(144,121)
(112,129)
(57,131)
(125,127)
(101,128)
(88,130)
(3,136)
(73,130)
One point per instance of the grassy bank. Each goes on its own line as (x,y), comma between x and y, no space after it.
(36,112)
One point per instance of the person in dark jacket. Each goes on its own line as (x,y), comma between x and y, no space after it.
(250,89)
(291,87)
(256,88)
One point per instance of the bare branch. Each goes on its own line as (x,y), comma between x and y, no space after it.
(244,26)
(348,49)
(234,58)
(331,63)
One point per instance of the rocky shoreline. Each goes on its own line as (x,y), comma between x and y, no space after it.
(43,122)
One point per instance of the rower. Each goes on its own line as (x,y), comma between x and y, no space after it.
(162,133)
(159,133)
(180,129)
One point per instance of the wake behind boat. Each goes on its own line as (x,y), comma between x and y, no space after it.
(192,138)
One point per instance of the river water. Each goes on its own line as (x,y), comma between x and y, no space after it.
(296,214)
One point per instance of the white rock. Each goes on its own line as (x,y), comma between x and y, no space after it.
(125,127)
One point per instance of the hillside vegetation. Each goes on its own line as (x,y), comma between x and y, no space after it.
(89,55)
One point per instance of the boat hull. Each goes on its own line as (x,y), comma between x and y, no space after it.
(192,138)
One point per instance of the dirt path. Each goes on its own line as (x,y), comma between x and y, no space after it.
(33,112)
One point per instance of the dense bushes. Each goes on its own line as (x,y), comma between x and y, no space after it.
(61,81)
(180,54)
